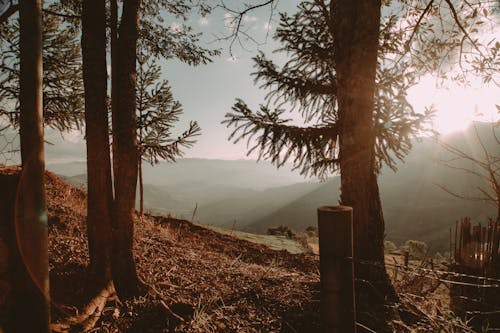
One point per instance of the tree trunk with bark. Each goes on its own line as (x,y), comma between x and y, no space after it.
(141,189)
(30,283)
(125,151)
(100,195)
(114,61)
(356,34)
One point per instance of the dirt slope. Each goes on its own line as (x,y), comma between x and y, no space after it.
(210,281)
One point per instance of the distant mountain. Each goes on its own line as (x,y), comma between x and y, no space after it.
(414,206)
(193,172)
(301,212)
(245,206)
(213,191)
(255,196)
(69,169)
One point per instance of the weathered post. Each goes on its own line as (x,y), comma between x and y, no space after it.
(337,311)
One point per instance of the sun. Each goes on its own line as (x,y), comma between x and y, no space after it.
(456,106)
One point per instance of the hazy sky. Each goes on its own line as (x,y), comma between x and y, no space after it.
(207,92)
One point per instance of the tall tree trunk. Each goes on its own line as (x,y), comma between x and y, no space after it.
(100,196)
(141,182)
(356,35)
(126,154)
(30,308)
(141,189)
(114,71)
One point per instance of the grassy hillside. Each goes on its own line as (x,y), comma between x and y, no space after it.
(200,280)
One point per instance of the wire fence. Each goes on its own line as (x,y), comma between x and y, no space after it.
(423,286)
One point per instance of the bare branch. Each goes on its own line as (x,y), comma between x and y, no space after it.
(417,25)
(489,164)
(466,170)
(463,196)
(11,11)
(238,19)
(68,16)
(461,27)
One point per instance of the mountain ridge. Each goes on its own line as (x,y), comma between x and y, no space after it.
(414,206)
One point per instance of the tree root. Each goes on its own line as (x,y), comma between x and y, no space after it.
(87,319)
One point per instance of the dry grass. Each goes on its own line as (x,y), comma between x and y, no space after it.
(205,281)
(201,280)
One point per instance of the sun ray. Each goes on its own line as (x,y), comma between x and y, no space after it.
(456,105)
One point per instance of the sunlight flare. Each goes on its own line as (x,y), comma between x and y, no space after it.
(456,105)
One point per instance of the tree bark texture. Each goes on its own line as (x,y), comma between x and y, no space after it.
(125,154)
(31,273)
(100,195)
(114,71)
(356,34)
(141,189)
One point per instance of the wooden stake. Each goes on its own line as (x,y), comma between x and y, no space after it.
(338,310)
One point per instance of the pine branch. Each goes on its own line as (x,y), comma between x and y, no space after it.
(280,142)
(157,113)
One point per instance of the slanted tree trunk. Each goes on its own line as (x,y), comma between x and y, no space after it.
(30,284)
(356,34)
(125,150)
(100,195)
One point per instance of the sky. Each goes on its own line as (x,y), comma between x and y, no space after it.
(207,92)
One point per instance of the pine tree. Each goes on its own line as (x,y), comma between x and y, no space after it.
(30,273)
(100,191)
(307,84)
(140,20)
(157,112)
(125,153)
(347,75)
(62,73)
(351,125)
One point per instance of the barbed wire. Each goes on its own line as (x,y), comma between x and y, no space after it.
(426,271)
(438,320)
(430,270)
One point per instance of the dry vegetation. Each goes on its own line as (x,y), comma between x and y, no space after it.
(204,281)
(200,280)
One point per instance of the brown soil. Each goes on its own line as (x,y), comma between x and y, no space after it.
(202,281)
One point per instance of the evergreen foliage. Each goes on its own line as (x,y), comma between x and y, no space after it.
(63,102)
(180,42)
(157,113)
(307,83)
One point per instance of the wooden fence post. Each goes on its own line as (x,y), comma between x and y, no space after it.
(338,310)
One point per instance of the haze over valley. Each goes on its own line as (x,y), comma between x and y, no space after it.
(253,196)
